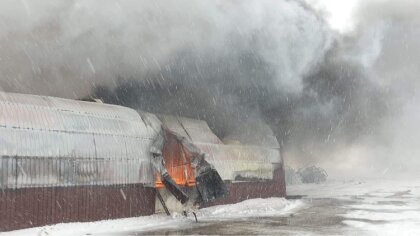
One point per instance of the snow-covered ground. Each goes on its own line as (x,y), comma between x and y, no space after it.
(376,207)
(336,208)
(251,208)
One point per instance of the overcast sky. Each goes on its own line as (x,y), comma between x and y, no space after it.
(339,13)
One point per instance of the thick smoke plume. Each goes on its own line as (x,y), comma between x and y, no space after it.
(246,67)
(393,29)
(379,63)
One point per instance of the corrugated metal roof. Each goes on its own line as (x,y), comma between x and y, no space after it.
(197,131)
(47,141)
(57,114)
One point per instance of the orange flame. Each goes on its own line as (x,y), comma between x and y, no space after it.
(178,163)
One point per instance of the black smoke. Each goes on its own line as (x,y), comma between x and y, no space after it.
(337,104)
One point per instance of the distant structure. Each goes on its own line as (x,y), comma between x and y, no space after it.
(75,161)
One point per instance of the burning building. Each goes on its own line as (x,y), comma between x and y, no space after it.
(68,160)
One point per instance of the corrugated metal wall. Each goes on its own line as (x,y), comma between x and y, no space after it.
(240,191)
(47,142)
(31,207)
(29,172)
(64,160)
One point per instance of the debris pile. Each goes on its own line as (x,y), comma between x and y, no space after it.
(312,174)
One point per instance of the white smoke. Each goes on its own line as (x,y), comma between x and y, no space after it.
(384,41)
(66,47)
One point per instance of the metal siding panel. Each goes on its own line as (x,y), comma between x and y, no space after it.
(199,131)
(7,142)
(3,112)
(59,129)
(231,160)
(11,173)
(3,208)
(173,124)
(3,172)
(12,115)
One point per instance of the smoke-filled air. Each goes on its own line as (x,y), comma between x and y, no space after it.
(342,100)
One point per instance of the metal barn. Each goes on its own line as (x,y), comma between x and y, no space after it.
(73,161)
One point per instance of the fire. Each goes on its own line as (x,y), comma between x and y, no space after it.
(178,163)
